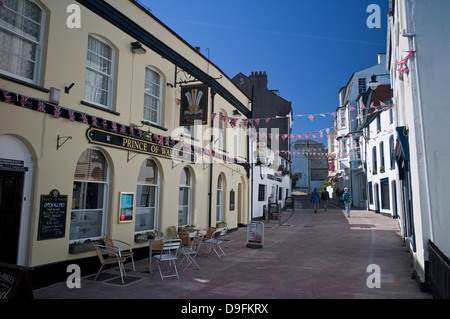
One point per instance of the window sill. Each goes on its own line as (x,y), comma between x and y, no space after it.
(95,106)
(21,82)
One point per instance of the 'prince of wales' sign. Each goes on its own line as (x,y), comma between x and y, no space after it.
(133,144)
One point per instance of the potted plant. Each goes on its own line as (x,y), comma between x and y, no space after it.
(79,247)
(221,224)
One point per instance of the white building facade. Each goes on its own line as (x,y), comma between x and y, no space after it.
(417,40)
(350,172)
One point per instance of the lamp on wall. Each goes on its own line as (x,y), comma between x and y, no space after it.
(373,84)
(137,47)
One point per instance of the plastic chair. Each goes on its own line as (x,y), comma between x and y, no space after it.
(109,242)
(169,252)
(113,258)
(215,243)
(190,252)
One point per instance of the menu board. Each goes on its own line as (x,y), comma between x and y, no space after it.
(52,216)
(274,211)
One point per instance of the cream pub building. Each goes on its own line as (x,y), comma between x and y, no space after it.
(108,128)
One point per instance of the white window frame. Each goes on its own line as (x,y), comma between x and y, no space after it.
(38,43)
(105,202)
(158,99)
(187,188)
(219,201)
(109,76)
(156,206)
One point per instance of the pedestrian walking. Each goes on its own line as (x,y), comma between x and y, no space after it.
(325,198)
(347,199)
(315,200)
(338,193)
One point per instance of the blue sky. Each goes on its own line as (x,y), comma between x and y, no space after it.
(308,48)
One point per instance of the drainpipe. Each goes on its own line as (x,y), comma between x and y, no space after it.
(252,158)
(213,93)
(412,38)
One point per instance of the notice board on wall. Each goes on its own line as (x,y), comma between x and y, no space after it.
(52,216)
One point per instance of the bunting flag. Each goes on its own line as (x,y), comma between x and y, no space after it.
(56,112)
(114,126)
(71,115)
(23,100)
(122,128)
(311,117)
(94,120)
(84,118)
(41,107)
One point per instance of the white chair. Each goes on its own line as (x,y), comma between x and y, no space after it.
(190,252)
(215,243)
(169,252)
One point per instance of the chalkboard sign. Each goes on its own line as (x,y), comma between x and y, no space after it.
(15,282)
(274,211)
(52,217)
(126,207)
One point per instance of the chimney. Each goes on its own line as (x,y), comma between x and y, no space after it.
(197,49)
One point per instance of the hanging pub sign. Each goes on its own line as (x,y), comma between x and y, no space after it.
(194,105)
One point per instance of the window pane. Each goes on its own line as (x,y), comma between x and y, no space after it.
(148,174)
(86,224)
(183,213)
(91,166)
(145,219)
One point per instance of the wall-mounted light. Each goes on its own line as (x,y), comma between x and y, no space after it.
(236,113)
(373,84)
(137,47)
(55,96)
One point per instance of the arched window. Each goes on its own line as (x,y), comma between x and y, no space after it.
(184,198)
(152,96)
(219,201)
(21,26)
(147,197)
(98,84)
(222,132)
(90,192)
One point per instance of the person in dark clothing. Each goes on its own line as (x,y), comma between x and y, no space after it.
(338,196)
(325,198)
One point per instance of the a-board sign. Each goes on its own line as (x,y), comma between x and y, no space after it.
(15,282)
(52,216)
(289,202)
(255,235)
(274,211)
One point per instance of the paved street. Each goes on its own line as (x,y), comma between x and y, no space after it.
(311,256)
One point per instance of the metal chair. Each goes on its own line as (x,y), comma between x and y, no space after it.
(109,242)
(215,243)
(169,252)
(190,252)
(113,258)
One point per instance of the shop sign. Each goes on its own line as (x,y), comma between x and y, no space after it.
(133,144)
(194,105)
(12,165)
